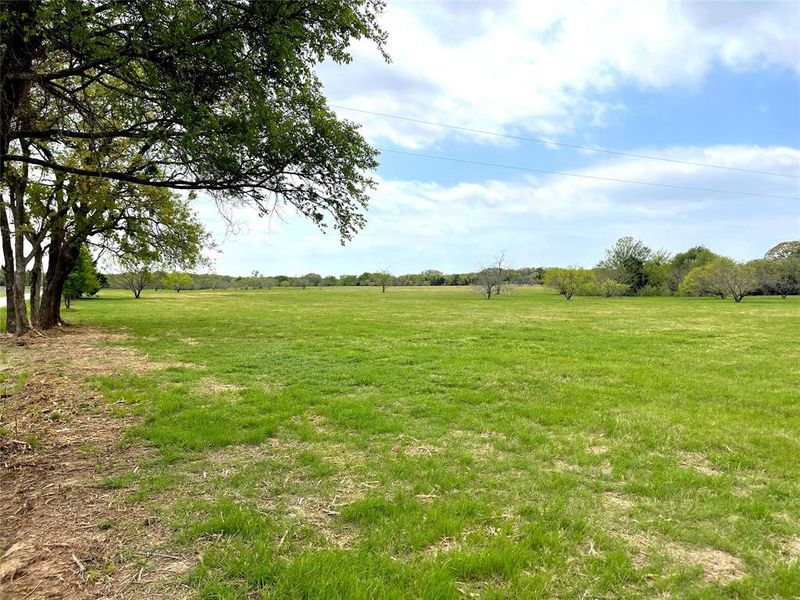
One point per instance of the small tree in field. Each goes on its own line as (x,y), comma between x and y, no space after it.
(384,278)
(779,276)
(135,276)
(722,277)
(489,281)
(178,281)
(567,282)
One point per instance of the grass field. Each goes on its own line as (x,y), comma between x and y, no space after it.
(426,443)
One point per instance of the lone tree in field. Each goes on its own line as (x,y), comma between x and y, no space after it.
(567,282)
(384,278)
(194,95)
(179,281)
(489,281)
(722,277)
(135,276)
(779,276)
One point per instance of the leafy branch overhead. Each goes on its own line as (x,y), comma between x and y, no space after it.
(220,96)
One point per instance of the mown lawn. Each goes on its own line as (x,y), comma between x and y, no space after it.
(426,443)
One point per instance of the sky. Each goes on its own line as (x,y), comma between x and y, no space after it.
(704,82)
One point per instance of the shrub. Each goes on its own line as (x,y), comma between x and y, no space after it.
(612,287)
(568,282)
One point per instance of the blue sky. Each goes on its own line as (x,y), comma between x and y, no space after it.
(713,82)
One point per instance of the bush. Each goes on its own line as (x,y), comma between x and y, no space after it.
(568,282)
(612,287)
(652,290)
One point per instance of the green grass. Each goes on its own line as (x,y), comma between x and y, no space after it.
(426,443)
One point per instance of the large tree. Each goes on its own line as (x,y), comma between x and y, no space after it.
(722,277)
(683,262)
(216,95)
(111,217)
(220,95)
(784,250)
(625,261)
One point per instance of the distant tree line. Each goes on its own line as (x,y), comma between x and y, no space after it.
(628,268)
(154,278)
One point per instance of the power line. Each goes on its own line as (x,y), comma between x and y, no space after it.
(565,145)
(584,176)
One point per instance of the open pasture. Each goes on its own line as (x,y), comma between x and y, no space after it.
(426,443)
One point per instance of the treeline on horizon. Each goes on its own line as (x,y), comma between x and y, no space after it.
(629,267)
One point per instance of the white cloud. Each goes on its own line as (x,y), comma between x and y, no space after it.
(545,67)
(547,220)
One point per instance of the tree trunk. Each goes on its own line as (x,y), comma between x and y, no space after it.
(61,259)
(17,59)
(36,286)
(8,268)
(20,308)
(17,188)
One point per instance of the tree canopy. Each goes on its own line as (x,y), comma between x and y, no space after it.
(103,100)
(626,260)
(221,96)
(789,249)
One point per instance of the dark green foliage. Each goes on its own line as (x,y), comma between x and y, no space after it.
(219,96)
(683,262)
(626,261)
(82,279)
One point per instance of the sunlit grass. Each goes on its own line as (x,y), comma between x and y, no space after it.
(426,443)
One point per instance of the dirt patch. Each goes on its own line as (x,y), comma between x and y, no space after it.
(413,448)
(64,535)
(617,501)
(312,509)
(442,546)
(319,513)
(791,550)
(563,466)
(717,565)
(698,462)
(210,385)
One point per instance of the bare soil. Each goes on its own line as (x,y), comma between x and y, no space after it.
(63,534)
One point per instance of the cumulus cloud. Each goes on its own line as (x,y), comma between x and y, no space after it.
(548,67)
(547,219)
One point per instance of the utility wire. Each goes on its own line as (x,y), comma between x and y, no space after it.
(565,145)
(584,176)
